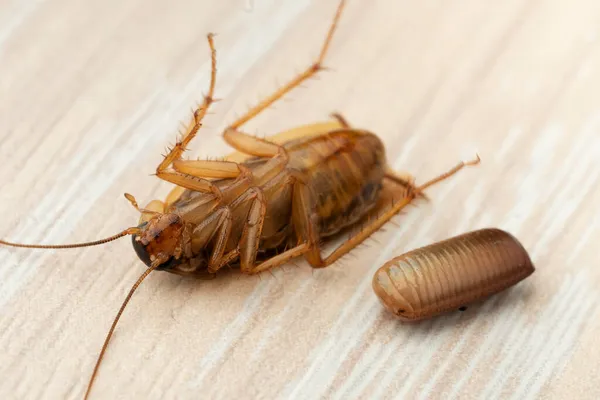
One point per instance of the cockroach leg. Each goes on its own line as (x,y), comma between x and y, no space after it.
(208,168)
(405,180)
(218,257)
(258,147)
(297,80)
(190,182)
(402,179)
(339,118)
(304,220)
(218,169)
(216,223)
(249,242)
(196,120)
(279,259)
(449,173)
(220,223)
(250,144)
(250,239)
(184,180)
(247,249)
(303,217)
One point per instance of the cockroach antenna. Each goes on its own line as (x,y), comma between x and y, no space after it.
(137,283)
(128,231)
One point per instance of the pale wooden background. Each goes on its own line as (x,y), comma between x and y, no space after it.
(91,93)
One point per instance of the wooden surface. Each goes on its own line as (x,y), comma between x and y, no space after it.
(92,92)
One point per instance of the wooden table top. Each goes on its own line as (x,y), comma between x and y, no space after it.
(92,93)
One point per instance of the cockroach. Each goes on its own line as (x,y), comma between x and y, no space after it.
(450,274)
(271,201)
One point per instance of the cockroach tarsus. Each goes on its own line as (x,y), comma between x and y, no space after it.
(450,274)
(287,193)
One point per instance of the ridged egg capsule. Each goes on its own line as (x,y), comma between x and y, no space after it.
(450,274)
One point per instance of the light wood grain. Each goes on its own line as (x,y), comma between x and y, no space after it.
(92,92)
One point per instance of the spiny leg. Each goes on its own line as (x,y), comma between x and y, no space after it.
(307,230)
(304,221)
(449,173)
(184,180)
(230,193)
(249,242)
(299,132)
(219,170)
(250,144)
(219,223)
(190,182)
(296,81)
(211,169)
(208,168)
(279,259)
(402,179)
(196,121)
(250,239)
(258,147)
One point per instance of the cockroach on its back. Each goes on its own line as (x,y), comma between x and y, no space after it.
(274,200)
(450,274)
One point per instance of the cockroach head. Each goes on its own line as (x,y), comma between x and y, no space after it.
(160,239)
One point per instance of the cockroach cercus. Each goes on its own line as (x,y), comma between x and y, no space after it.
(271,201)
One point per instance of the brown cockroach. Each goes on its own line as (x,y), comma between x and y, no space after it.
(273,200)
(450,274)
